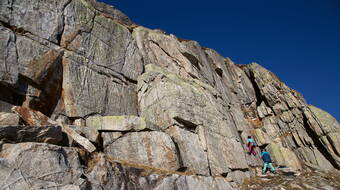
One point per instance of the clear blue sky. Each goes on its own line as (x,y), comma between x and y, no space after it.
(298,40)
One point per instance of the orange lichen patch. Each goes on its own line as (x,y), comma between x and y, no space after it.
(31,117)
(40,68)
(249,112)
(256,122)
(285,134)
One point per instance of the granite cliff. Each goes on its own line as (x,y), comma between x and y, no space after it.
(91,100)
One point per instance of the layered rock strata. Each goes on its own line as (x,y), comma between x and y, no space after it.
(90,100)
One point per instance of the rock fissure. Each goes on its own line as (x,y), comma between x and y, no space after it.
(92,70)
(318,144)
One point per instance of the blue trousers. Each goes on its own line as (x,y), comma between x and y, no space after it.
(265,167)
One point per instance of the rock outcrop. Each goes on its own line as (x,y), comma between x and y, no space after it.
(91,100)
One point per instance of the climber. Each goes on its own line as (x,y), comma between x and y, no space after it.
(267,161)
(251,145)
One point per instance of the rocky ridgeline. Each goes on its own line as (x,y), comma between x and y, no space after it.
(90,100)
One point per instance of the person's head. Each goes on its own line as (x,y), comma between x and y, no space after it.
(249,137)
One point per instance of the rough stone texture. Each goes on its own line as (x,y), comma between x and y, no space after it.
(145,97)
(5,106)
(329,123)
(9,119)
(290,124)
(201,183)
(110,137)
(119,123)
(192,155)
(41,18)
(111,12)
(84,142)
(284,156)
(226,156)
(8,56)
(38,165)
(98,48)
(97,91)
(109,174)
(32,117)
(190,104)
(186,102)
(149,148)
(43,134)
(107,54)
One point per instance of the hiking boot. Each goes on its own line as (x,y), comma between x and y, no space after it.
(274,172)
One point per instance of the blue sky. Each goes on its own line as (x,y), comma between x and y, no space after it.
(298,40)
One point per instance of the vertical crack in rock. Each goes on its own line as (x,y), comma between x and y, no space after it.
(61,33)
(181,168)
(103,62)
(259,96)
(193,60)
(319,145)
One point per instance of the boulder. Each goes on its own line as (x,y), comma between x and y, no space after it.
(38,165)
(149,148)
(224,154)
(32,117)
(119,123)
(284,157)
(191,153)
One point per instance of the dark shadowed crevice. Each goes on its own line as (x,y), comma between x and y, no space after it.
(258,94)
(318,144)
(186,124)
(100,143)
(51,93)
(193,60)
(10,95)
(182,168)
(239,169)
(219,71)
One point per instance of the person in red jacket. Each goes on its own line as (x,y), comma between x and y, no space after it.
(251,145)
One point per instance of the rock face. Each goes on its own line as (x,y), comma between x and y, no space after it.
(127,107)
(36,165)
